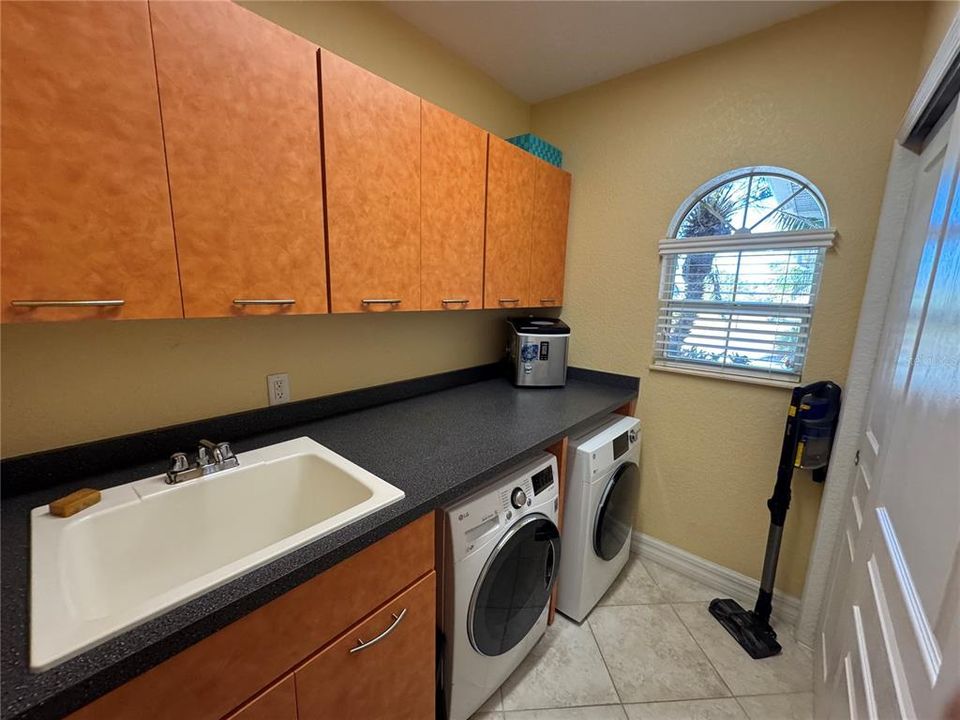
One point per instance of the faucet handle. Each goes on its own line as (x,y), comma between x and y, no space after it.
(225,452)
(178,463)
(208,453)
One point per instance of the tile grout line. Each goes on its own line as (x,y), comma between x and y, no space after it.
(604,661)
(742,708)
(700,647)
(690,632)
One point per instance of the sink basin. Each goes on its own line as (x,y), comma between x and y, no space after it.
(148,546)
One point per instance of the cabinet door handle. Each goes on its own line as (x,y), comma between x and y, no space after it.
(548,301)
(361,645)
(511,301)
(381,301)
(66,303)
(265,301)
(456,301)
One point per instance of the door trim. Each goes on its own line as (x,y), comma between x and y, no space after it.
(904,162)
(934,90)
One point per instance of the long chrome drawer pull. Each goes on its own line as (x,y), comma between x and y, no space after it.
(361,645)
(509,300)
(381,301)
(66,303)
(456,301)
(282,301)
(548,301)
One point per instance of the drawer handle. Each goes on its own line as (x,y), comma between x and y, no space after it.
(511,301)
(381,301)
(66,303)
(257,301)
(548,301)
(361,645)
(456,301)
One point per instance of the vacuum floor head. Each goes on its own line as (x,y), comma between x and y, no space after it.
(754,635)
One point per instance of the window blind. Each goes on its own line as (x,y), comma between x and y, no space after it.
(739,305)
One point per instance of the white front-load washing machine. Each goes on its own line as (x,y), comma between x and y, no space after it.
(600,503)
(501,556)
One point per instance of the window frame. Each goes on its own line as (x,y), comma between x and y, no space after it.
(820,237)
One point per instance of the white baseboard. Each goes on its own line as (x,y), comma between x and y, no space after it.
(727,582)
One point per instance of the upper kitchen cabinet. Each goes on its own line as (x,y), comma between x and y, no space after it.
(85,206)
(371,133)
(453,187)
(241,122)
(551,208)
(511,175)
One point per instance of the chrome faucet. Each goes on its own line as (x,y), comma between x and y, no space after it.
(211,457)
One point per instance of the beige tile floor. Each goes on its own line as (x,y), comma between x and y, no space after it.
(651,651)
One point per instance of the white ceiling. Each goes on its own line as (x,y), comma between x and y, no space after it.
(540,50)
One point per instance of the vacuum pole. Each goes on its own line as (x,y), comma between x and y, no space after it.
(778,504)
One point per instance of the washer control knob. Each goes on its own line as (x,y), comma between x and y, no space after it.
(518,498)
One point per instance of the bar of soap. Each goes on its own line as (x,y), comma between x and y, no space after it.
(74,502)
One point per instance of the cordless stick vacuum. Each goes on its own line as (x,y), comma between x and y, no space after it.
(807,439)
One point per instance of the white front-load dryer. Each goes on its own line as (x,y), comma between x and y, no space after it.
(600,503)
(501,556)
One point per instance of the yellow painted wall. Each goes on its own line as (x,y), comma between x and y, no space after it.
(72,382)
(821,95)
(370,35)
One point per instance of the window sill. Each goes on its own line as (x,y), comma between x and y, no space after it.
(749,379)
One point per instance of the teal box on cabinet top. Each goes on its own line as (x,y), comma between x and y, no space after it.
(539,147)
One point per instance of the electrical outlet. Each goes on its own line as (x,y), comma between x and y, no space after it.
(278,388)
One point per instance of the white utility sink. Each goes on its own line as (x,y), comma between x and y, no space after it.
(149,546)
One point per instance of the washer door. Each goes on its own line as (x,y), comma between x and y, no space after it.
(618,504)
(514,586)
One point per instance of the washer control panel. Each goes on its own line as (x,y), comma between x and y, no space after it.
(486,515)
(518,496)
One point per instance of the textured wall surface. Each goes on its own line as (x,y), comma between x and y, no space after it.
(68,383)
(821,95)
(369,35)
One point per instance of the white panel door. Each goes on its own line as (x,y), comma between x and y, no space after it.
(890,639)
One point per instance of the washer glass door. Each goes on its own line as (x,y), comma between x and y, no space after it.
(514,586)
(618,504)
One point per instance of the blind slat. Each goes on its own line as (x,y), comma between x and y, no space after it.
(760,325)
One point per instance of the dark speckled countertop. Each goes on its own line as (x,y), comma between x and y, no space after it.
(436,447)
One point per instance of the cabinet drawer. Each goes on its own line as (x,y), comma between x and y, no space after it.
(277,703)
(383,667)
(219,673)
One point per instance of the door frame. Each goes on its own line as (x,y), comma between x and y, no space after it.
(938,84)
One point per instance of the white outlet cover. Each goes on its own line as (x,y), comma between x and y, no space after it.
(278,389)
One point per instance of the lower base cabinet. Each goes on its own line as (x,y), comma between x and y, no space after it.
(292,657)
(383,667)
(276,703)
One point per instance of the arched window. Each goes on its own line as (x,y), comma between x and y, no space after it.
(740,273)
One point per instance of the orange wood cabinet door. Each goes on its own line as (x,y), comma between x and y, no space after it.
(277,703)
(390,678)
(85,206)
(241,122)
(551,208)
(371,134)
(453,202)
(510,186)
